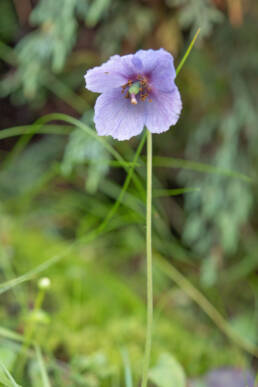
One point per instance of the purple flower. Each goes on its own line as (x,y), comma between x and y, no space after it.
(137,90)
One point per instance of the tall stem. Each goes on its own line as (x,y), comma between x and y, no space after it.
(149,264)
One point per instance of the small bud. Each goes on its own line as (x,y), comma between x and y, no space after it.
(44,283)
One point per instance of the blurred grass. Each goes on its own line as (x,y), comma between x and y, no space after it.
(86,299)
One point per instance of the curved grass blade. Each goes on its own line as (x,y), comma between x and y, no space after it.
(204,304)
(42,121)
(169,162)
(62,130)
(92,133)
(9,380)
(37,270)
(34,128)
(173,192)
(8,334)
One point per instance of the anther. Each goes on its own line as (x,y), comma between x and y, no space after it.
(139,87)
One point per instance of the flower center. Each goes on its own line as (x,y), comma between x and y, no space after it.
(137,90)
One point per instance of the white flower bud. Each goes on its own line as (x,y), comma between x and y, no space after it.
(44,283)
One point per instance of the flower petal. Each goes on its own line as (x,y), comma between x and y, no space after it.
(117,117)
(136,61)
(109,75)
(163,111)
(158,66)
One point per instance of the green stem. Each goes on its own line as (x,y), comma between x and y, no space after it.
(149,264)
(29,332)
(187,52)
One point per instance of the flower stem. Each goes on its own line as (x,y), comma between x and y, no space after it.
(28,335)
(149,264)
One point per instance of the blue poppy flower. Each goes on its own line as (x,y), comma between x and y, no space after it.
(137,90)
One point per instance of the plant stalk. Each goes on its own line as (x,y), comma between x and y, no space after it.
(149,264)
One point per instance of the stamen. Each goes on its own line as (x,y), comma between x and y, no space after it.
(139,87)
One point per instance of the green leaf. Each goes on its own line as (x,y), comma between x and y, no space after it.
(168,372)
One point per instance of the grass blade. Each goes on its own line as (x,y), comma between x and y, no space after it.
(204,304)
(79,124)
(43,370)
(127,367)
(179,67)
(9,379)
(173,192)
(169,162)
(10,335)
(34,128)
(37,270)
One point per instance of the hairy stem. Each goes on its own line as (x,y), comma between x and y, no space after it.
(149,264)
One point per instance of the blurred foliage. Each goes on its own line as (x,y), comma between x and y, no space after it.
(82,149)
(58,186)
(196,13)
(93,313)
